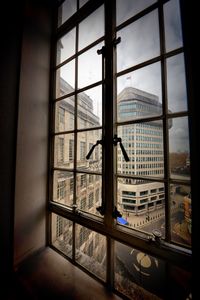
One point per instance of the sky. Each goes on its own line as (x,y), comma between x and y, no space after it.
(139,42)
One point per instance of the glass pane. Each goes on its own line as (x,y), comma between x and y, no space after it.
(90,67)
(181,214)
(143,143)
(179,148)
(82,2)
(89,192)
(128,8)
(139,41)
(85,141)
(64,151)
(66,10)
(62,234)
(63,187)
(139,275)
(64,118)
(176,84)
(172,19)
(91,28)
(141,204)
(90,108)
(91,251)
(66,46)
(65,79)
(139,93)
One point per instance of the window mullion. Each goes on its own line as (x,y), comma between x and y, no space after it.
(108,137)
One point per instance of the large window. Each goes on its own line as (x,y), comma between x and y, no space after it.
(119,80)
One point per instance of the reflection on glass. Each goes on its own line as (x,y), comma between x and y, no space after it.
(139,93)
(179,153)
(143,143)
(82,2)
(91,251)
(66,46)
(64,151)
(141,204)
(88,72)
(88,192)
(139,41)
(90,108)
(139,275)
(181,214)
(176,84)
(172,19)
(64,118)
(127,9)
(91,28)
(62,234)
(63,187)
(66,10)
(85,141)
(65,79)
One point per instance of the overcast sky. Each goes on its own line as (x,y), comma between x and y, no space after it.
(139,42)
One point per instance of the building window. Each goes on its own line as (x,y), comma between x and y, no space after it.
(61,190)
(61,115)
(133,96)
(71,149)
(59,226)
(61,149)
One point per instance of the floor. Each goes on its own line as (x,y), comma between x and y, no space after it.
(48,275)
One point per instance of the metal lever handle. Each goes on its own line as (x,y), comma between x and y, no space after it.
(119,140)
(92,148)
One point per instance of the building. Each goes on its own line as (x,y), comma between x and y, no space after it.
(144,145)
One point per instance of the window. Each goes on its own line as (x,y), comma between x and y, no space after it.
(125,85)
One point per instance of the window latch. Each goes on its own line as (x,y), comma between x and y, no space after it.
(116,214)
(92,148)
(102,51)
(116,41)
(119,140)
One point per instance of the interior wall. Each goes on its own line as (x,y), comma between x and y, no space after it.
(10,52)
(32,132)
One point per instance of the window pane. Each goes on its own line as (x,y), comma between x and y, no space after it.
(181,214)
(91,28)
(62,234)
(141,204)
(143,143)
(176,84)
(89,192)
(66,46)
(90,108)
(139,93)
(91,251)
(139,41)
(64,151)
(65,79)
(179,148)
(139,275)
(64,119)
(128,8)
(66,10)
(90,67)
(173,32)
(86,140)
(63,187)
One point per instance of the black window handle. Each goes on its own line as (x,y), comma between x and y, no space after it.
(92,148)
(119,140)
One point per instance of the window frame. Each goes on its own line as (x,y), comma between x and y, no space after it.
(173,253)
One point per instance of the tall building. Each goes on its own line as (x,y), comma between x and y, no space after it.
(143,142)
